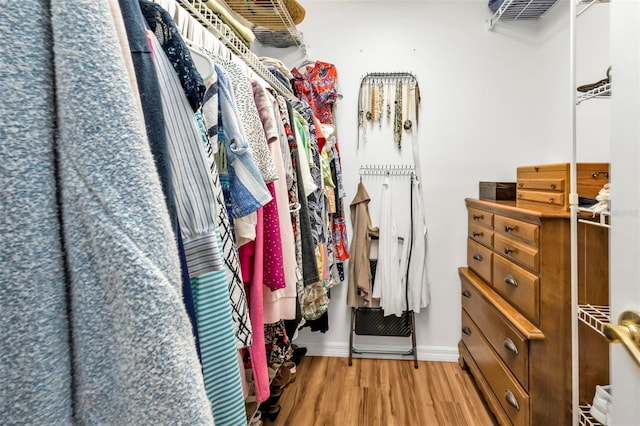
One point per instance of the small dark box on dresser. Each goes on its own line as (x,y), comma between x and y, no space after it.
(498,191)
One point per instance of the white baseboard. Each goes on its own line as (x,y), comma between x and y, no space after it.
(341,350)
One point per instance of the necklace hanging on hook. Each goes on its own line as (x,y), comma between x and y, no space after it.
(368,100)
(407,123)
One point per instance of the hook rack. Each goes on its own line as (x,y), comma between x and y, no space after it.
(387,170)
(372,101)
(395,76)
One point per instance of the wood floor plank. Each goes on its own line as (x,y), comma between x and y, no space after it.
(375,392)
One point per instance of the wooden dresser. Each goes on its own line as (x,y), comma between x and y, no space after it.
(516,311)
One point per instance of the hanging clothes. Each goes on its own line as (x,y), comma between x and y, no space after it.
(418,287)
(149,93)
(307,249)
(237,296)
(114,296)
(192,183)
(213,310)
(249,118)
(252,262)
(162,25)
(245,190)
(387,284)
(318,86)
(33,292)
(359,265)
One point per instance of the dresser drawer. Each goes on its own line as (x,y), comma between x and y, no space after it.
(481,234)
(481,217)
(547,185)
(513,399)
(518,286)
(556,184)
(590,178)
(479,259)
(526,232)
(543,198)
(509,344)
(521,253)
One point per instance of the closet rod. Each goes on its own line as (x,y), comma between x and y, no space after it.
(387,170)
(398,75)
(213,24)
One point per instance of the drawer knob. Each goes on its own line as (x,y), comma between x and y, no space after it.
(511,399)
(551,200)
(553,186)
(510,280)
(467,294)
(520,184)
(477,234)
(478,217)
(477,257)
(508,343)
(466,330)
(509,228)
(596,175)
(508,250)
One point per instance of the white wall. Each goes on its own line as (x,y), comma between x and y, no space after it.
(491,101)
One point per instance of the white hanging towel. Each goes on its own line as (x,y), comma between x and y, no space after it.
(388,286)
(418,279)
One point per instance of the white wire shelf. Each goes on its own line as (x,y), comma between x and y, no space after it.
(603,91)
(585,417)
(213,24)
(595,316)
(583,5)
(603,218)
(269,20)
(520,9)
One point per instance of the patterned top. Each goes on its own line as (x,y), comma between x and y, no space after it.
(167,33)
(247,188)
(304,120)
(239,305)
(318,86)
(249,119)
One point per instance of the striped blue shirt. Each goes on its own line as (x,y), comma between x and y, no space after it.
(192,182)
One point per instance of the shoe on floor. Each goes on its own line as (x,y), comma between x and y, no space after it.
(587,87)
(271,413)
(298,353)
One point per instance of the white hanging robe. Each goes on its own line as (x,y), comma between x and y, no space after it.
(418,281)
(397,254)
(387,284)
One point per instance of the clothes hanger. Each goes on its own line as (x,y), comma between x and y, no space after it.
(188,27)
(171,7)
(305,60)
(203,63)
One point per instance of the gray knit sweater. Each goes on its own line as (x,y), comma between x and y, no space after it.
(92,322)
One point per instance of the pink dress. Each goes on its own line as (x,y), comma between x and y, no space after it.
(281,304)
(273,267)
(251,262)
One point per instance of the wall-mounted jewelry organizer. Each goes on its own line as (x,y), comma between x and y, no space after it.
(393,97)
(371,321)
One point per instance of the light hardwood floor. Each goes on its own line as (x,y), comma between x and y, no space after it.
(375,392)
